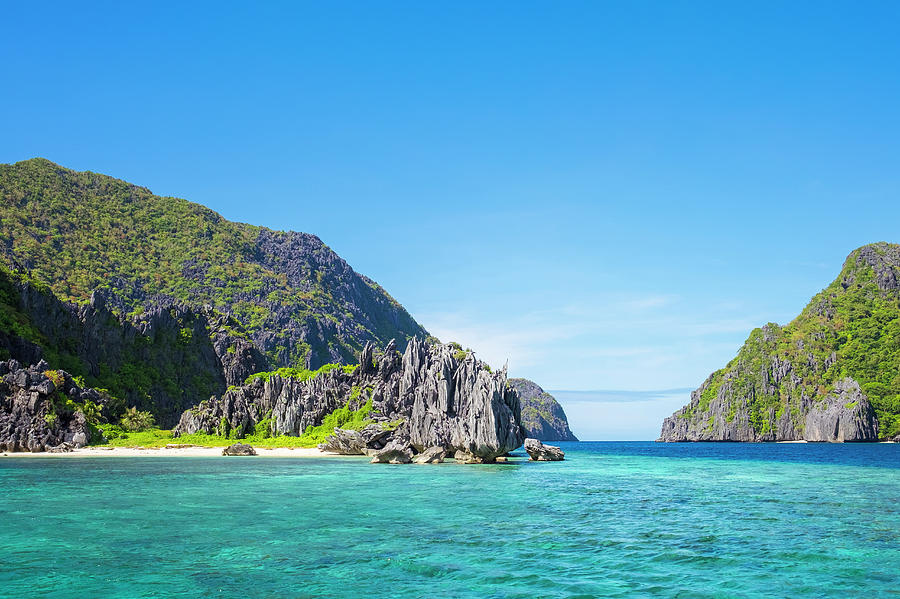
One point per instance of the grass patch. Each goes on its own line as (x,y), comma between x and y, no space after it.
(162,437)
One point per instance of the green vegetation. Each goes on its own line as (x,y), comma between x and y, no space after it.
(850,329)
(81,231)
(301,374)
(539,409)
(458,352)
(139,369)
(66,234)
(343,417)
(135,421)
(160,438)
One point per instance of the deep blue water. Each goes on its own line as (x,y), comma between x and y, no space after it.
(613,520)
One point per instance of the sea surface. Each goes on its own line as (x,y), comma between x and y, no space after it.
(613,520)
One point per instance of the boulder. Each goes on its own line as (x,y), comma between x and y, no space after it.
(351,442)
(61,448)
(538,452)
(431,455)
(467,457)
(239,449)
(393,453)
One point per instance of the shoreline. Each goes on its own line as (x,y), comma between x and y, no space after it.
(188,452)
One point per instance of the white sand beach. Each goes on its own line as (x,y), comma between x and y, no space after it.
(191,452)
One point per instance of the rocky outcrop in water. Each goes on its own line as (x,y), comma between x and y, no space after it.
(426,397)
(43,409)
(845,414)
(542,416)
(828,375)
(538,452)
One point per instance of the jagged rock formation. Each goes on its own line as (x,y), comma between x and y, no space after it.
(538,452)
(542,416)
(829,375)
(425,398)
(43,410)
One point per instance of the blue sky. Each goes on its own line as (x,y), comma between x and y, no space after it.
(608,195)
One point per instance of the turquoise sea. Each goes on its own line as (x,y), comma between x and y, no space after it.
(614,520)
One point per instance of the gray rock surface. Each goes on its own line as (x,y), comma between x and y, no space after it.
(427,395)
(542,416)
(239,449)
(467,457)
(351,442)
(36,414)
(395,452)
(844,415)
(431,455)
(538,452)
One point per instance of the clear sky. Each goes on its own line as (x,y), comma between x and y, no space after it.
(608,195)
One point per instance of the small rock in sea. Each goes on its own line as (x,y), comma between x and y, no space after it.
(239,449)
(538,452)
(432,455)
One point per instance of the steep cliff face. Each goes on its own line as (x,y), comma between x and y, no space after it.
(427,397)
(164,360)
(297,301)
(542,416)
(832,374)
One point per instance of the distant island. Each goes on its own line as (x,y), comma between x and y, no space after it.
(832,374)
(130,318)
(542,416)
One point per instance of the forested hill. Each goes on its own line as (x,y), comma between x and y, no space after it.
(296,300)
(832,374)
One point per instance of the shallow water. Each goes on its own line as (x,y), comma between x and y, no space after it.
(614,520)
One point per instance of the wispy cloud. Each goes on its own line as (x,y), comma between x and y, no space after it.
(622,340)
